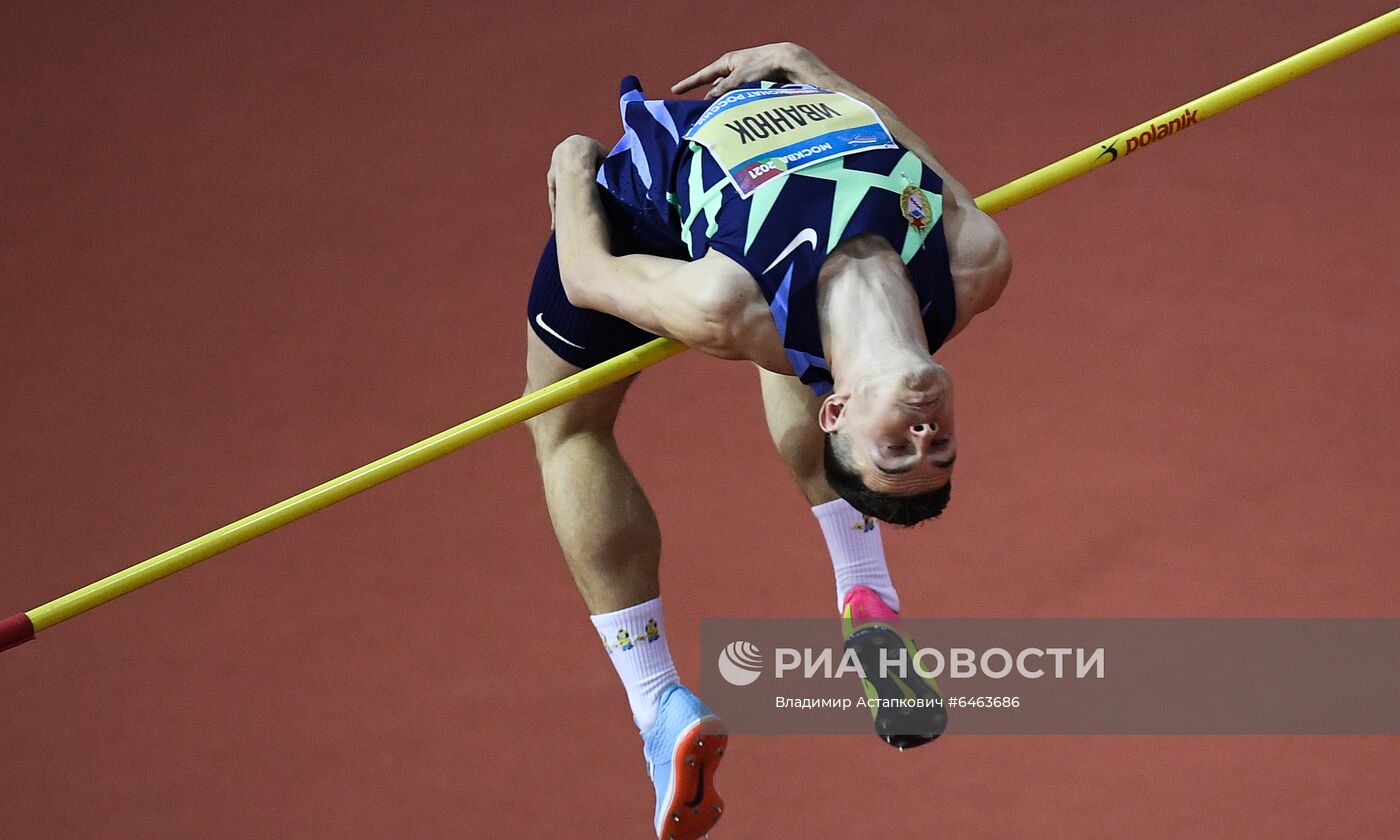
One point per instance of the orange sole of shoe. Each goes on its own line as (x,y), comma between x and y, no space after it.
(695,806)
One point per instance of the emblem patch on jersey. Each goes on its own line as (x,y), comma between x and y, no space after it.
(914,204)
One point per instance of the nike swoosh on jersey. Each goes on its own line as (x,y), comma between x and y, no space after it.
(806,236)
(539,319)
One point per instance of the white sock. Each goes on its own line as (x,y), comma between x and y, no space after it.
(636,641)
(857,554)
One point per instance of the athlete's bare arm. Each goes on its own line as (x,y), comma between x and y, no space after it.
(978,254)
(710,304)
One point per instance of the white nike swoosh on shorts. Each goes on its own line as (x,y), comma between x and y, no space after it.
(806,236)
(539,319)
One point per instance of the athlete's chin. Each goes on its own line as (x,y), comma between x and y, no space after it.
(928,384)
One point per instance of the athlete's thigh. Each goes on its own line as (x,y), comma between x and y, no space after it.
(563,339)
(592,412)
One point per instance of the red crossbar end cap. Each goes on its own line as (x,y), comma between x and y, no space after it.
(15,630)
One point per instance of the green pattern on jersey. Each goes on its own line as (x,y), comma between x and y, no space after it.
(852,186)
(851,189)
(702,201)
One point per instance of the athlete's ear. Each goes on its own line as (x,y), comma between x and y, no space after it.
(832,410)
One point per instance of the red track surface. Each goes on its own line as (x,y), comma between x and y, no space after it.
(244,251)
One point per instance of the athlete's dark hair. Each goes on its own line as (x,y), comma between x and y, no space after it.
(886,507)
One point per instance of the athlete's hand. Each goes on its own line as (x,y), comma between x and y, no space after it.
(577,156)
(785,62)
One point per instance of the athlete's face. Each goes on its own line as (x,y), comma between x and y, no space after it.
(899,431)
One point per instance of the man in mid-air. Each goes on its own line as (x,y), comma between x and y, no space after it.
(788,219)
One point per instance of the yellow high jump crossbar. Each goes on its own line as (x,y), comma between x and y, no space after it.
(21,628)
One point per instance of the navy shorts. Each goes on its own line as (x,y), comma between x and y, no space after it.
(585,337)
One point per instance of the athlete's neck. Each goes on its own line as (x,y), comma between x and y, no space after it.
(870,325)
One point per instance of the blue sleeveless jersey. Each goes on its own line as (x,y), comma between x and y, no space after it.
(685,204)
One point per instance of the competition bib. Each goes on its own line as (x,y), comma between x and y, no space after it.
(759,135)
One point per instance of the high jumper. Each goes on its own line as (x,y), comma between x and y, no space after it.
(792,220)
